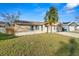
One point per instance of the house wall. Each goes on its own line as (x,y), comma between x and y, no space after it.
(44,28)
(41,28)
(21,28)
(54,28)
(49,28)
(2,29)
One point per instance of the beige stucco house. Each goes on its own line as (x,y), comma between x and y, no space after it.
(26,26)
(21,26)
(42,26)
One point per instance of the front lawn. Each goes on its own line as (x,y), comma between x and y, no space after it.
(37,45)
(6,36)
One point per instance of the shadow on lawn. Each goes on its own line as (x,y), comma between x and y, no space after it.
(6,36)
(68,49)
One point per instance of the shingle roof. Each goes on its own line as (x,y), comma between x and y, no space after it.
(65,23)
(2,24)
(69,23)
(28,23)
(78,23)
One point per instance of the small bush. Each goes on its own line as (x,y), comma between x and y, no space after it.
(68,49)
(72,46)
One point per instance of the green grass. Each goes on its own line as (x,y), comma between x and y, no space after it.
(6,36)
(36,45)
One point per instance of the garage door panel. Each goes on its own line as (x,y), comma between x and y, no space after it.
(72,28)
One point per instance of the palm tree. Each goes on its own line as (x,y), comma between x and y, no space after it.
(51,17)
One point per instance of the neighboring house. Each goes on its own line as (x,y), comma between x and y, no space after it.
(70,26)
(2,27)
(25,26)
(77,28)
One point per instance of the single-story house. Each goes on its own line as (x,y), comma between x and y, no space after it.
(28,26)
(36,26)
(25,26)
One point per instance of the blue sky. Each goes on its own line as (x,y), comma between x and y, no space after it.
(36,11)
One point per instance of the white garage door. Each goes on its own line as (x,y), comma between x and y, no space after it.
(77,27)
(72,28)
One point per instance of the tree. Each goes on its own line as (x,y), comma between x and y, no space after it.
(9,19)
(68,49)
(51,17)
(72,46)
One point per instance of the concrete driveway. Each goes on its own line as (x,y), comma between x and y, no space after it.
(28,33)
(76,35)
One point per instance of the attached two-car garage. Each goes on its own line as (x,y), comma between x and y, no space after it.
(72,28)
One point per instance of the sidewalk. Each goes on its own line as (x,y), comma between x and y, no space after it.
(76,35)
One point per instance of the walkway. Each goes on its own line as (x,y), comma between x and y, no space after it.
(28,33)
(76,35)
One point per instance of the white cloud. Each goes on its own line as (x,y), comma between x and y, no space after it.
(71,5)
(70,11)
(69,8)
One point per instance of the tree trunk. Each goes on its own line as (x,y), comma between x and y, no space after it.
(54,28)
(75,28)
(47,29)
(51,28)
